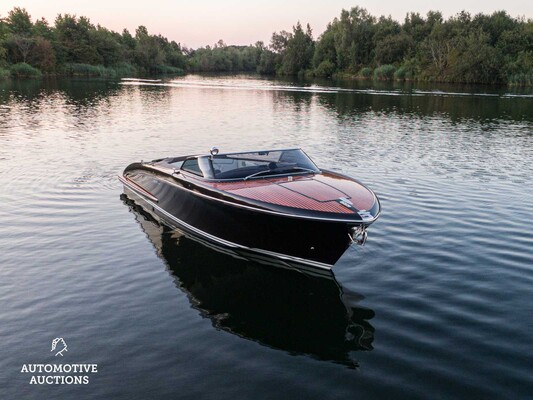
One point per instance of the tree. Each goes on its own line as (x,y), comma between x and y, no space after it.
(416,27)
(476,61)
(42,28)
(42,55)
(484,48)
(494,25)
(279,41)
(74,38)
(435,51)
(299,50)
(393,49)
(148,53)
(19,21)
(325,49)
(267,62)
(391,45)
(107,45)
(23,44)
(354,32)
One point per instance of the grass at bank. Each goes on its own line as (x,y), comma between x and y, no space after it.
(120,70)
(26,71)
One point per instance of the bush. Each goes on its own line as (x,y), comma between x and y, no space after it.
(4,74)
(325,69)
(365,72)
(76,69)
(168,70)
(125,69)
(403,73)
(521,79)
(384,72)
(23,70)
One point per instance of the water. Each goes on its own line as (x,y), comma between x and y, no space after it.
(436,305)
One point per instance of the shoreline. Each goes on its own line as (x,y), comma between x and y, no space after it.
(111,74)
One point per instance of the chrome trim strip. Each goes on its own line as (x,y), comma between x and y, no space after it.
(254,178)
(257,151)
(137,188)
(231,244)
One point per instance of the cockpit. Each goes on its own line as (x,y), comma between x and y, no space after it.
(248,165)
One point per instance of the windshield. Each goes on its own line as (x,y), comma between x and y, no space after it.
(261,164)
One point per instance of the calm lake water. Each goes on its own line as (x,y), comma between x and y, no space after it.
(438,304)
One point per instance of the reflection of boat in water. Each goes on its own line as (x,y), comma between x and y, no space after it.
(279,308)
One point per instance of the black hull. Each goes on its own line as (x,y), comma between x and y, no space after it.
(314,242)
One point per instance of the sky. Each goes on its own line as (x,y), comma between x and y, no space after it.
(195,23)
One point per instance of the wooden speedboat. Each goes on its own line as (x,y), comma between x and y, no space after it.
(272,203)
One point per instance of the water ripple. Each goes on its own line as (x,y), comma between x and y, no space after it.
(437,303)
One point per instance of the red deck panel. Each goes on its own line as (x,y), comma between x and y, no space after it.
(360,196)
(315,189)
(277,194)
(318,192)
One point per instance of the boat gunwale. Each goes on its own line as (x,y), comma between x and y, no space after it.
(249,203)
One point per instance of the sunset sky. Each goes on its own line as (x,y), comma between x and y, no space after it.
(201,22)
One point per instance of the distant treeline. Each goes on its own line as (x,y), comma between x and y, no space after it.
(483,48)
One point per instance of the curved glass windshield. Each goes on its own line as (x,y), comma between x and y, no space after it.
(261,164)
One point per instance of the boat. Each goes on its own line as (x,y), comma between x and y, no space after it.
(269,204)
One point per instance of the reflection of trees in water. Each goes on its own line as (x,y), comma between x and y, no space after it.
(77,99)
(77,93)
(73,91)
(299,102)
(282,309)
(82,101)
(455,102)
(454,107)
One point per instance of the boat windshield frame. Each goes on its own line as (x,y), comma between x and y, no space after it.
(302,164)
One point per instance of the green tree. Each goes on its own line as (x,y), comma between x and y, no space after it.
(19,22)
(391,45)
(435,51)
(475,60)
(486,48)
(354,32)
(267,62)
(128,44)
(148,53)
(416,27)
(74,39)
(107,45)
(4,33)
(42,28)
(325,51)
(279,42)
(298,53)
(494,25)
(393,49)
